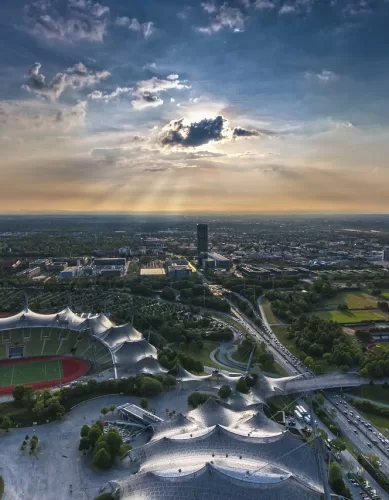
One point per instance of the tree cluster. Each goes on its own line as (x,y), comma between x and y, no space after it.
(336,481)
(105,446)
(170,358)
(51,405)
(322,339)
(375,363)
(369,407)
(290,305)
(43,403)
(261,355)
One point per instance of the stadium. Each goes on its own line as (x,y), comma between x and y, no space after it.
(216,452)
(45,350)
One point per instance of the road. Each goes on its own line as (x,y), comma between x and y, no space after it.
(355,432)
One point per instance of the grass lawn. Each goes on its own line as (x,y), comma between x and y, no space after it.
(203,354)
(268,312)
(385,294)
(31,371)
(354,300)
(380,422)
(275,370)
(351,316)
(373,392)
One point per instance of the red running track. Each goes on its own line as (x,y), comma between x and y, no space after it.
(72,368)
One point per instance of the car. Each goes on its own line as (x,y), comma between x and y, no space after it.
(369,445)
(355,431)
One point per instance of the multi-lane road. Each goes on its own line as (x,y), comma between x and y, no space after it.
(361,433)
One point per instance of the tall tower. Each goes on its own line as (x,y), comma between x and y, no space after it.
(202,243)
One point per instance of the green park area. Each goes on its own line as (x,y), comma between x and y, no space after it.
(376,393)
(280,332)
(353,300)
(349,316)
(268,312)
(29,372)
(200,354)
(378,421)
(385,294)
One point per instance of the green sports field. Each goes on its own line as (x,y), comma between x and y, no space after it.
(29,372)
(352,316)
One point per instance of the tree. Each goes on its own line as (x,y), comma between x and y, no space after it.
(18,393)
(338,444)
(384,306)
(102,459)
(94,433)
(112,408)
(323,434)
(241,386)
(336,481)
(85,444)
(33,443)
(84,430)
(224,391)
(104,410)
(196,399)
(150,387)
(308,361)
(144,403)
(320,398)
(343,307)
(114,441)
(169,381)
(6,423)
(168,293)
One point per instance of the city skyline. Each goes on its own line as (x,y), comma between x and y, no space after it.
(251,106)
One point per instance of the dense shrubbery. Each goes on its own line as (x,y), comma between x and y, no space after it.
(369,407)
(319,338)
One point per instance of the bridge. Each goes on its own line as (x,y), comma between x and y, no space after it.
(291,385)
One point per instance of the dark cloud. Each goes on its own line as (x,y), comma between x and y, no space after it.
(177,133)
(243,132)
(158,169)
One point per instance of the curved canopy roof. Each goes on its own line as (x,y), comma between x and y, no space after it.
(31,319)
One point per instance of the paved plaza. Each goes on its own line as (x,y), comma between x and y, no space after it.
(58,463)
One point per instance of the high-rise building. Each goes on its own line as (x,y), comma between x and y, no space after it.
(202,242)
(385,254)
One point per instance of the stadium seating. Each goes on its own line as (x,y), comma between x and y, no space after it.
(55,341)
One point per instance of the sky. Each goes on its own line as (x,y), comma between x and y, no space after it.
(193,107)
